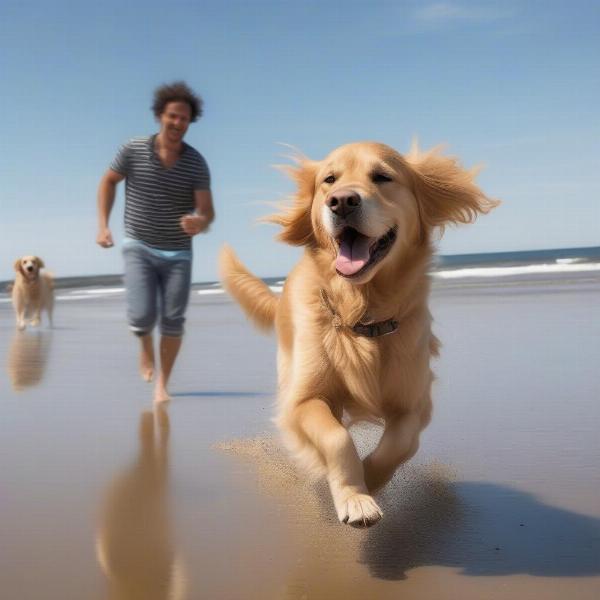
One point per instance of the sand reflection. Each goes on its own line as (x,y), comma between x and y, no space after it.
(27,358)
(324,557)
(134,542)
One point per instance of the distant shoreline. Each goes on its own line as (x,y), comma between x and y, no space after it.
(487,260)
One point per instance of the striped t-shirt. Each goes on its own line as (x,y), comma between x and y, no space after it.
(157,197)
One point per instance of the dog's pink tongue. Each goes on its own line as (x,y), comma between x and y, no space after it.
(353,255)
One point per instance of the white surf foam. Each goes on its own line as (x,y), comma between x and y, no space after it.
(97,291)
(516,270)
(82,294)
(209,292)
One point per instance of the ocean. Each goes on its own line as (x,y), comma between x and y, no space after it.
(458,270)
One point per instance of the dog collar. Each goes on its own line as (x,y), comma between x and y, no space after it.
(370,330)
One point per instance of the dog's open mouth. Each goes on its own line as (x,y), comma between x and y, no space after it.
(357,253)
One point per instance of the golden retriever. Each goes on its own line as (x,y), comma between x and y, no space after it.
(32,291)
(353,324)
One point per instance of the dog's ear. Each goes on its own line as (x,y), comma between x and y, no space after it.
(295,219)
(445,191)
(17,265)
(40,262)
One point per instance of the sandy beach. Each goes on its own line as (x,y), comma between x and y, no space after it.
(103,497)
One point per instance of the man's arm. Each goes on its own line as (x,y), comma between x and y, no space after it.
(204,205)
(106,198)
(204,215)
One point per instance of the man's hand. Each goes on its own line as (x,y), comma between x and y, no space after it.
(194,224)
(104,238)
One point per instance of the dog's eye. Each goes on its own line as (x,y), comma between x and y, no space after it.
(329,179)
(380,178)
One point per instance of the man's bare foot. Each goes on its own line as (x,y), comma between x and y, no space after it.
(146,371)
(147,358)
(161,395)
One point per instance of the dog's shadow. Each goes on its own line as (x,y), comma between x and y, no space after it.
(27,358)
(480,528)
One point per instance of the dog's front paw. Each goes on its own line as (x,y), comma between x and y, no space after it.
(35,322)
(21,325)
(359,510)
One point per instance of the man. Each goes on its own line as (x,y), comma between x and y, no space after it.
(167,202)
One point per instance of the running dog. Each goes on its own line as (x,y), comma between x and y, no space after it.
(353,323)
(32,291)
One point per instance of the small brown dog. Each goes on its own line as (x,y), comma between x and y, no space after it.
(353,324)
(32,292)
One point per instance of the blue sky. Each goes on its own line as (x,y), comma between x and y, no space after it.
(514,86)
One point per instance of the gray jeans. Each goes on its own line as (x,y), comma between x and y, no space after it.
(153,283)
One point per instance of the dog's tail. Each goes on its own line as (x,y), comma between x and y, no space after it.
(49,276)
(251,293)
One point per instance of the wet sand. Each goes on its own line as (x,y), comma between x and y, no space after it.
(102,497)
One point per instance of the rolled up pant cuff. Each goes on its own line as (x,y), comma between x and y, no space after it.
(171,332)
(140,331)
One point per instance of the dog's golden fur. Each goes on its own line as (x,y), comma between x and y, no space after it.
(327,371)
(32,291)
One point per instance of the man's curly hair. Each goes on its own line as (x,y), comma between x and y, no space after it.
(178,91)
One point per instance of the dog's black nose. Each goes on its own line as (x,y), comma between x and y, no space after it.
(29,268)
(343,202)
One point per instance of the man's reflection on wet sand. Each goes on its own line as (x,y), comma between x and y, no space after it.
(27,358)
(133,544)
